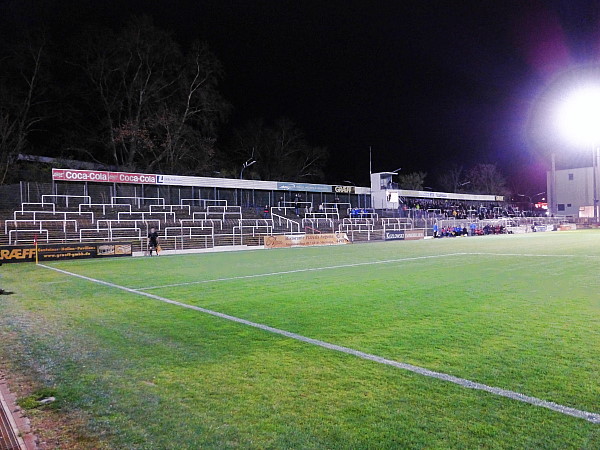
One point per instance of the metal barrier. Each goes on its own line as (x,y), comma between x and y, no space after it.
(104,206)
(170,207)
(291,225)
(202,222)
(138,200)
(40,222)
(66,198)
(16,232)
(315,222)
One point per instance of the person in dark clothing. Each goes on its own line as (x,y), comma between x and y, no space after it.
(266,212)
(153,241)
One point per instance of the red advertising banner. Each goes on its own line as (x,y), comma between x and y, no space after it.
(99,176)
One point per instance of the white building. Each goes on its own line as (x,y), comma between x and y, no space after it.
(571,192)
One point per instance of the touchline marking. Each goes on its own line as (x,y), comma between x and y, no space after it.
(308,269)
(529,255)
(589,416)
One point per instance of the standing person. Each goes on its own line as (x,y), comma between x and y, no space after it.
(153,241)
(296,205)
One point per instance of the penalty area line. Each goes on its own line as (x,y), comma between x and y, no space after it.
(308,269)
(463,382)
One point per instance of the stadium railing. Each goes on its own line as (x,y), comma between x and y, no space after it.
(285,209)
(123,223)
(114,206)
(130,233)
(255,227)
(66,198)
(203,202)
(226,212)
(29,204)
(189,232)
(39,223)
(290,225)
(322,215)
(397,223)
(317,221)
(144,215)
(292,204)
(137,200)
(357,226)
(202,222)
(33,234)
(170,208)
(64,214)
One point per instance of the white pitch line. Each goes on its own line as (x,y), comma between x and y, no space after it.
(589,416)
(529,255)
(367,263)
(309,269)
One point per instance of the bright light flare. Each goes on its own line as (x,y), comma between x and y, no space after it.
(578,116)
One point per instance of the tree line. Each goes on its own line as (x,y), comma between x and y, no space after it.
(478,179)
(133,99)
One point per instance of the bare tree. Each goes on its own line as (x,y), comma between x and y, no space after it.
(487,179)
(159,107)
(451,180)
(281,150)
(413,180)
(20,100)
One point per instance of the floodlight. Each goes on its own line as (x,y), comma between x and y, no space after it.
(578,115)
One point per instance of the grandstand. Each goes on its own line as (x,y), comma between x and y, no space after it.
(199,213)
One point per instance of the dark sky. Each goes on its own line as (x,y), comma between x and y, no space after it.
(425,83)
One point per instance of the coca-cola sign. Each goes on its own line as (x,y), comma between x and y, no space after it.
(99,176)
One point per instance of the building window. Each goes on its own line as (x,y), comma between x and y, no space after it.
(568,205)
(561,206)
(570,177)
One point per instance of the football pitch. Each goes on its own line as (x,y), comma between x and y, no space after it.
(489,342)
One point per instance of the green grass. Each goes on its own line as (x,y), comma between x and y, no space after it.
(154,375)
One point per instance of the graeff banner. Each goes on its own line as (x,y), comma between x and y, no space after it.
(344,189)
(55,252)
(303,240)
(100,176)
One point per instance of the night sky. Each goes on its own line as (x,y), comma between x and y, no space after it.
(426,84)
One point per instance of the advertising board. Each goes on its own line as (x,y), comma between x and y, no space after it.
(303,187)
(404,235)
(394,235)
(55,252)
(567,227)
(100,176)
(303,240)
(343,189)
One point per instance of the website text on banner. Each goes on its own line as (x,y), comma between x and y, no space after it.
(300,240)
(54,252)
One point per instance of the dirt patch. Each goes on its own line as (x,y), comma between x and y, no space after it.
(46,427)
